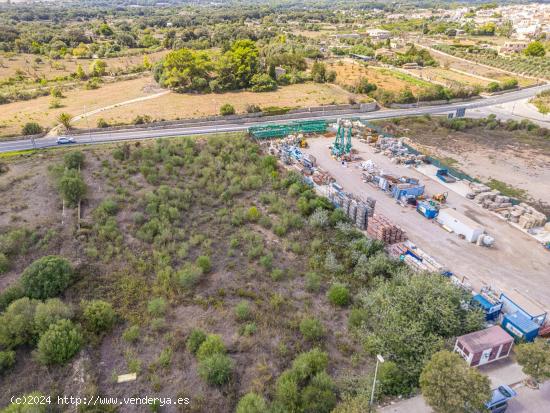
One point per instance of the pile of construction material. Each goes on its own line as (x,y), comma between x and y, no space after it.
(381,228)
(358,211)
(398,153)
(321,177)
(524,215)
(413,256)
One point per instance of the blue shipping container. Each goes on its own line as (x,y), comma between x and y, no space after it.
(491,310)
(405,192)
(520,326)
(426,209)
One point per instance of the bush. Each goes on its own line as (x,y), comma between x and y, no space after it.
(313,282)
(213,344)
(253,214)
(131,334)
(318,396)
(251,108)
(99,316)
(72,187)
(73,160)
(312,329)
(392,380)
(227,110)
(195,339)
(157,307)
(204,263)
(307,365)
(262,82)
(357,317)
(59,343)
(50,312)
(4,263)
(16,323)
(251,403)
(7,360)
(9,295)
(47,277)
(102,123)
(339,295)
(216,369)
(242,311)
(189,276)
(31,128)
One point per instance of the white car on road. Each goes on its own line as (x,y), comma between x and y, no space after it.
(63,140)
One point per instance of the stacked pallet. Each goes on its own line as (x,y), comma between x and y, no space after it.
(397,249)
(381,228)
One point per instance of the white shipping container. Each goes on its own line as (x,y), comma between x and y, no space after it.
(460,224)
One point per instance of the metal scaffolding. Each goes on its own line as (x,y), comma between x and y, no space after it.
(280,131)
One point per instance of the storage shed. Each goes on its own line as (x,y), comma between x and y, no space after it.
(520,326)
(489,307)
(484,346)
(460,224)
(513,301)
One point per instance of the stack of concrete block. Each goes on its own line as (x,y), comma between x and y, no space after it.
(381,228)
(356,210)
(526,216)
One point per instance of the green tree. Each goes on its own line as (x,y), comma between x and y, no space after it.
(32,128)
(59,343)
(99,316)
(16,323)
(98,68)
(72,186)
(73,160)
(535,49)
(47,277)
(105,30)
(319,72)
(50,312)
(262,82)
(80,74)
(243,59)
(185,70)
(535,359)
(450,386)
(252,403)
(65,119)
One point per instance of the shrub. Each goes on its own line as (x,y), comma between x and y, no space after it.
(107,207)
(16,323)
(32,128)
(50,312)
(4,263)
(204,263)
(158,324)
(307,365)
(253,214)
(99,316)
(339,295)
(47,277)
(252,403)
(313,282)
(242,311)
(248,329)
(318,396)
(277,274)
(287,392)
(312,329)
(141,119)
(102,123)
(73,160)
(131,334)
(392,380)
(72,187)
(189,276)
(216,369)
(157,307)
(357,317)
(59,343)
(7,360)
(195,339)
(251,108)
(213,344)
(10,294)
(227,110)
(262,82)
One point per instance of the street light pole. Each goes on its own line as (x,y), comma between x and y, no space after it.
(379,359)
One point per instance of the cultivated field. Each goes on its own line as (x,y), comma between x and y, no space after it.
(450,78)
(349,72)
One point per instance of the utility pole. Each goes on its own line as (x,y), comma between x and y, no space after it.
(379,359)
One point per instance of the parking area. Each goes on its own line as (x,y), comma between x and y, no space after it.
(516,262)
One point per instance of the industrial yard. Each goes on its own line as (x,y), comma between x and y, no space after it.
(516,261)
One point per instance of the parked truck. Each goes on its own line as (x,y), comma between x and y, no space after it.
(443,174)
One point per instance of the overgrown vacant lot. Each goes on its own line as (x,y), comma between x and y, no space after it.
(515,153)
(210,272)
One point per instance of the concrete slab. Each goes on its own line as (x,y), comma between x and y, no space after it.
(504,371)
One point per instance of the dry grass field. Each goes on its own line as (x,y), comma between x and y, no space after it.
(449,77)
(180,106)
(14,115)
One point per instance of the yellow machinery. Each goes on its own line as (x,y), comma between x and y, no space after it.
(303,144)
(441,198)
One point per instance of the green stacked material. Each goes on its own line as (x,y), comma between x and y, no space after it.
(280,131)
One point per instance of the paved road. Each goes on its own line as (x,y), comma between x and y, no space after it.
(211,127)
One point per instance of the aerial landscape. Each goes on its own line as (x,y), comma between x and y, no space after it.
(304,206)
